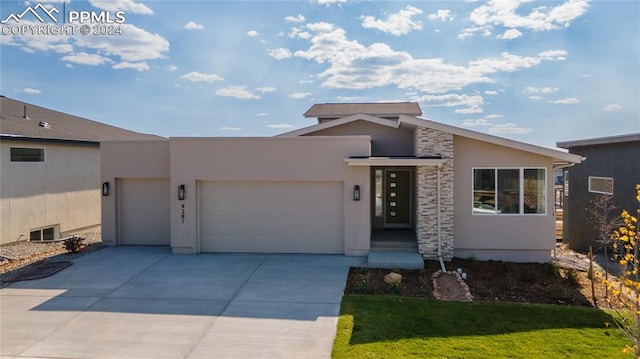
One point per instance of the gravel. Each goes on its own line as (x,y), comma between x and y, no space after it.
(17,257)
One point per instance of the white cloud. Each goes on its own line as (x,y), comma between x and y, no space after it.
(510,34)
(493,116)
(536,97)
(200,77)
(135,44)
(172,68)
(442,15)
(262,114)
(266,89)
(348,98)
(475,123)
(470,31)
(225,128)
(128,6)
(472,103)
(299,95)
(491,93)
(252,33)
(68,66)
(331,2)
(298,18)
(320,26)
(280,126)
(612,107)
(193,26)
(297,32)
(84,58)
(352,65)
(546,89)
(139,66)
(238,92)
(396,24)
(507,15)
(509,128)
(565,101)
(280,54)
(32,91)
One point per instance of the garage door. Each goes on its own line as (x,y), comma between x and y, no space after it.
(144,212)
(271,217)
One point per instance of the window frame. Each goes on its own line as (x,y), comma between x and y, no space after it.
(43,157)
(601,178)
(521,179)
(56,233)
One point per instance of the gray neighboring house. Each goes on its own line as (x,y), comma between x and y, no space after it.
(364,178)
(50,171)
(612,169)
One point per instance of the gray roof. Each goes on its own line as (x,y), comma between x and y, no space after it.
(45,124)
(632,137)
(380,109)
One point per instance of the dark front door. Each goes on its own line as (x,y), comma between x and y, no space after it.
(397,201)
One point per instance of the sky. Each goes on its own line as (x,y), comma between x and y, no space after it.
(534,71)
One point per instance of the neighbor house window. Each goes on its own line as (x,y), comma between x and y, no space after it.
(602,185)
(43,234)
(509,191)
(23,154)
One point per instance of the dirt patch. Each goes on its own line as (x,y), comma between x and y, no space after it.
(498,281)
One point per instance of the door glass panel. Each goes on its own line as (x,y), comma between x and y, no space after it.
(379,194)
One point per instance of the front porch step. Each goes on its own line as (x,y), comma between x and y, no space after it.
(394,246)
(393,260)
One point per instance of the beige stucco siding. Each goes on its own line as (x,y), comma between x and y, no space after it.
(123,160)
(279,159)
(61,191)
(500,237)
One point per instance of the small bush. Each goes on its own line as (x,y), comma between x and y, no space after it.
(573,277)
(73,244)
(527,275)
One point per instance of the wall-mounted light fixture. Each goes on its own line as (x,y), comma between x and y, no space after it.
(105,189)
(181,192)
(356,193)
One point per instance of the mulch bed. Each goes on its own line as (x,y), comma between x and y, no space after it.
(39,270)
(488,281)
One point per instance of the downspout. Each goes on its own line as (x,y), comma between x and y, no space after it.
(438,220)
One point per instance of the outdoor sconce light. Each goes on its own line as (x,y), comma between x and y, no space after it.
(356,193)
(105,189)
(181,192)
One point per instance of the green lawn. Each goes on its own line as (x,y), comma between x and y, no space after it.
(392,327)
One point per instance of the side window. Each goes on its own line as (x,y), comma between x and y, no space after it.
(23,154)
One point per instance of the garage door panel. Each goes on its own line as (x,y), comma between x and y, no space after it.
(277,217)
(144,212)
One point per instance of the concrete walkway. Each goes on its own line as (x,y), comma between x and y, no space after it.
(143,302)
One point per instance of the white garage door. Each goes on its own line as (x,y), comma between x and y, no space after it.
(144,212)
(271,217)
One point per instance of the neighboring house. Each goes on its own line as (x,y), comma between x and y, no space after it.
(365,175)
(611,169)
(50,171)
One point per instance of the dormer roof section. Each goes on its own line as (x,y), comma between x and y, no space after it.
(389,110)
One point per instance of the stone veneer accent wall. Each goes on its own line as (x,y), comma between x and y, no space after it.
(433,142)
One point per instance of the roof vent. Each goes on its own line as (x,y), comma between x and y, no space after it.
(44,124)
(24,115)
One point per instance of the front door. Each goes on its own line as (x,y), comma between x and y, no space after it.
(397,201)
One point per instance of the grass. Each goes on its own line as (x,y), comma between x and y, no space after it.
(393,327)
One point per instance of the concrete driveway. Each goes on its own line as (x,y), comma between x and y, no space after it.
(144,302)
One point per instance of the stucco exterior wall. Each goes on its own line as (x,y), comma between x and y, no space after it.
(269,159)
(386,141)
(128,159)
(63,190)
(431,142)
(505,237)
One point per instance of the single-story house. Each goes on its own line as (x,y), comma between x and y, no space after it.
(365,174)
(50,171)
(612,170)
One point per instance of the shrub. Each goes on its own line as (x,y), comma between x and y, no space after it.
(73,244)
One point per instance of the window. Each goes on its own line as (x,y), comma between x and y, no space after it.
(43,234)
(603,185)
(378,189)
(509,191)
(22,154)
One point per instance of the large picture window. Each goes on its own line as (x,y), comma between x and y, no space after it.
(20,154)
(509,191)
